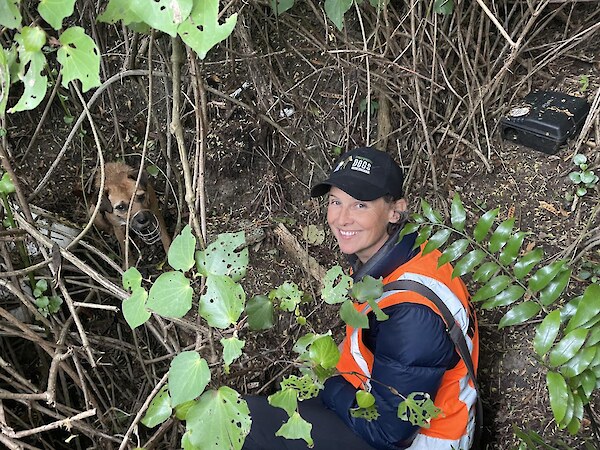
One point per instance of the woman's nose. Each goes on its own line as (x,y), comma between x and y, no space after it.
(345,217)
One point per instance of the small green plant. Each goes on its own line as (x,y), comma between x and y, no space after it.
(589,271)
(584,178)
(584,83)
(45,304)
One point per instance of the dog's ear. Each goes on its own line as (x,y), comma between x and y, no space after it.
(105,205)
(133,173)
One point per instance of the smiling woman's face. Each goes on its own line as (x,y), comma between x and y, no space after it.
(360,227)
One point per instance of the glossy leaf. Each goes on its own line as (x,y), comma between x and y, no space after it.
(324,352)
(80,59)
(501,235)
(552,291)
(567,347)
(568,411)
(223,257)
(296,428)
(543,276)
(546,333)
(352,317)
(423,235)
(485,272)
(507,297)
(170,295)
(223,302)
(520,314)
(594,337)
(524,265)
(336,285)
(134,308)
(232,349)
(588,382)
(437,240)
(510,252)
(580,362)
(484,224)
(558,390)
(181,251)
(432,215)
(409,228)
(286,399)
(588,308)
(492,288)
(159,409)
(188,377)
(54,11)
(260,310)
(468,262)
(10,16)
(458,215)
(453,251)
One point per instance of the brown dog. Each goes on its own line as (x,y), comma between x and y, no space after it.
(145,219)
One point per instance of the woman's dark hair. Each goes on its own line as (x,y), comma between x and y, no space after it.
(392,227)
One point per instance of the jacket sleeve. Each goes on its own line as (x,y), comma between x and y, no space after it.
(411,351)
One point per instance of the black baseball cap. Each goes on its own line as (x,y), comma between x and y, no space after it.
(366,174)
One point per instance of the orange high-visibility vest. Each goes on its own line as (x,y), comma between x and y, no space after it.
(456,396)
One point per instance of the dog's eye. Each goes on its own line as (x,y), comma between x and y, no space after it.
(121,207)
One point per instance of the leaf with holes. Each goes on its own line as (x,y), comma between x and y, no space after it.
(286,399)
(232,349)
(501,235)
(468,262)
(132,279)
(519,314)
(484,224)
(159,409)
(453,251)
(546,333)
(558,390)
(32,62)
(181,251)
(134,308)
(80,59)
(259,310)
(458,215)
(296,428)
(336,285)
(567,347)
(524,265)
(223,302)
(335,10)
(10,16)
(163,15)
(437,240)
(543,276)
(352,317)
(222,257)
(510,252)
(368,288)
(220,419)
(304,385)
(289,296)
(202,31)
(170,295)
(188,377)
(54,11)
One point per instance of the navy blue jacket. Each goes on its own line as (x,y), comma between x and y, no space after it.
(412,351)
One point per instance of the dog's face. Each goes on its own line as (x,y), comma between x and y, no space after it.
(119,190)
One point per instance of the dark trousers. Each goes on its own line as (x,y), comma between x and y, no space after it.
(328,431)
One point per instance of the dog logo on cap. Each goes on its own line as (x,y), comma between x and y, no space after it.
(362,165)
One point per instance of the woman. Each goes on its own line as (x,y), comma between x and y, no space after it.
(411,351)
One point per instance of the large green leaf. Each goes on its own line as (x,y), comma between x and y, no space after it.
(335,10)
(10,16)
(437,240)
(188,377)
(163,15)
(484,224)
(202,31)
(170,295)
(134,308)
(568,411)
(296,428)
(520,314)
(232,349)
(587,381)
(492,288)
(409,228)
(259,310)
(508,296)
(511,250)
(336,285)
(485,272)
(223,302)
(558,390)
(501,235)
(159,409)
(594,337)
(31,63)
(324,352)
(181,251)
(80,59)
(543,276)
(468,262)
(424,233)
(352,317)
(54,11)
(524,265)
(556,287)
(222,257)
(286,399)
(220,420)
(432,215)
(458,215)
(119,10)
(579,362)
(453,251)
(567,347)
(587,308)
(368,288)
(546,333)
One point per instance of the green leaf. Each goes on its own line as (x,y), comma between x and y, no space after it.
(519,314)
(507,297)
(296,428)
(54,304)
(579,159)
(524,265)
(202,31)
(132,279)
(222,257)
(289,296)
(511,250)
(281,6)
(558,390)
(286,399)
(54,11)
(4,76)
(304,386)
(223,302)
(163,15)
(594,337)
(485,272)
(352,317)
(220,420)
(444,7)
(188,377)
(458,215)
(468,262)
(432,215)
(134,308)
(259,310)
(567,347)
(119,10)
(159,409)
(579,362)
(80,59)
(423,235)
(6,185)
(335,286)
(10,16)
(368,288)
(170,295)
(232,349)
(484,224)
(335,10)
(492,288)
(313,234)
(588,308)
(418,409)
(453,251)
(379,314)
(569,410)
(588,382)
(543,276)
(364,399)
(324,352)
(182,410)
(181,251)
(501,235)
(556,287)
(408,228)
(546,333)
(437,240)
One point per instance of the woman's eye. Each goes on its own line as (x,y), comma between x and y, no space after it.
(361,205)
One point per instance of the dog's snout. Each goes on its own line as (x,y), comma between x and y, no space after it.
(142,220)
